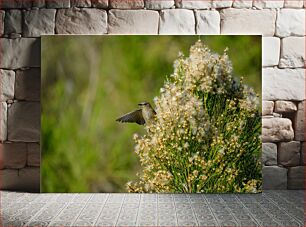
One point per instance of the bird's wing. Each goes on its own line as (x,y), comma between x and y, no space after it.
(135,116)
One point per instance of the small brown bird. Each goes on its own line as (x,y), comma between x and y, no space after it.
(141,116)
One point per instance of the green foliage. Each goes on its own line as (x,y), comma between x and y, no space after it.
(89,81)
(206,136)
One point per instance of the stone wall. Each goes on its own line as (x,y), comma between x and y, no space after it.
(281,22)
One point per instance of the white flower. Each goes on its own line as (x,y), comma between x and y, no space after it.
(186,145)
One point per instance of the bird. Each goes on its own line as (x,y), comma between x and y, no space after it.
(144,115)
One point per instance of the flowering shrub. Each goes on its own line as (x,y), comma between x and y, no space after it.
(206,135)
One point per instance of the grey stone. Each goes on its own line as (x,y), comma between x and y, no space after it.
(13,155)
(192,4)
(270,51)
(290,22)
(27,86)
(299,122)
(56,4)
(159,4)
(221,4)
(269,154)
(133,22)
(177,21)
(33,158)
(24,122)
(38,3)
(81,21)
(254,21)
(274,177)
(80,3)
(13,21)
(267,107)
(285,106)
(3,121)
(242,4)
(29,179)
(289,153)
(296,178)
(39,22)
(126,4)
(208,22)
(277,129)
(293,52)
(7,81)
(15,4)
(99,3)
(283,84)
(261,4)
(2,15)
(20,53)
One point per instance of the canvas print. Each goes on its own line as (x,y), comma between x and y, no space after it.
(151,114)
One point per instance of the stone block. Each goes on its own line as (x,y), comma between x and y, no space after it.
(3,121)
(293,3)
(13,21)
(33,158)
(285,107)
(289,153)
(9,179)
(20,53)
(2,15)
(296,178)
(39,22)
(192,4)
(270,51)
(7,81)
(13,155)
(133,22)
(56,4)
(99,3)
(299,122)
(159,4)
(269,154)
(38,3)
(25,180)
(274,177)
(177,21)
(27,86)
(81,21)
(15,4)
(267,107)
(80,3)
(242,4)
(248,21)
(290,22)
(293,52)
(221,4)
(283,84)
(208,22)
(261,4)
(24,122)
(29,179)
(277,129)
(126,4)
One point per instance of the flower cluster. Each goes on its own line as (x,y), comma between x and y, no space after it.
(206,135)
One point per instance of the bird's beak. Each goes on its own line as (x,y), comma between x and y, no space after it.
(140,104)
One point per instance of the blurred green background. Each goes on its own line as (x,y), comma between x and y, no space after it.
(89,81)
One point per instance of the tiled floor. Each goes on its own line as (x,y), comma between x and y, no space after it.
(270,208)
